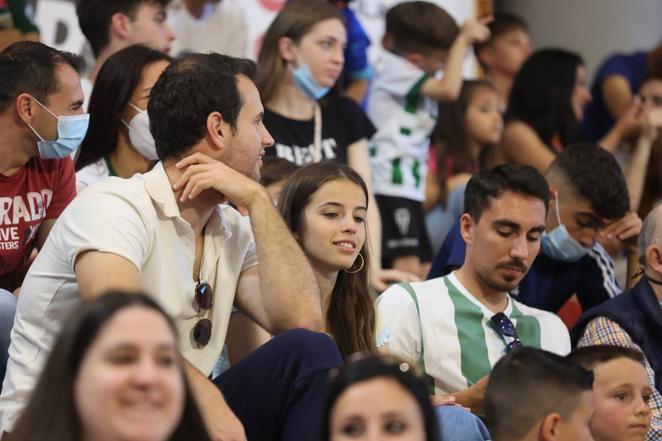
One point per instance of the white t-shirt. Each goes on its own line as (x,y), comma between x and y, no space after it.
(454,334)
(138,219)
(222,28)
(399,149)
(91,174)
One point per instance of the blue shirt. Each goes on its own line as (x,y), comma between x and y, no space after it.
(549,283)
(597,119)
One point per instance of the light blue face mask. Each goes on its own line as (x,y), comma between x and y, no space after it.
(71,130)
(560,245)
(307,83)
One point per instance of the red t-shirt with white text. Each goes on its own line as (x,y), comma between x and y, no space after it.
(39,191)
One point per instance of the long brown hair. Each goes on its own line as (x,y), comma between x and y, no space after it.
(450,137)
(351,314)
(294,21)
(51,414)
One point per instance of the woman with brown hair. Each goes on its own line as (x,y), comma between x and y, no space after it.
(325,206)
(298,66)
(114,373)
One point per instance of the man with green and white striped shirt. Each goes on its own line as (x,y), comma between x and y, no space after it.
(458,326)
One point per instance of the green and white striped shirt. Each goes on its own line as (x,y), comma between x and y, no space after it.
(404,120)
(446,330)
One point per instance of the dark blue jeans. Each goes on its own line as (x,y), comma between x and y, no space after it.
(277,391)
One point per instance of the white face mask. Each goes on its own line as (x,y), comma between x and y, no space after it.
(140,136)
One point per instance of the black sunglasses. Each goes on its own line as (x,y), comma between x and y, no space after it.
(505,328)
(204,298)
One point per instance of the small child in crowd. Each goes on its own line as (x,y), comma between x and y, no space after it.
(502,55)
(534,395)
(467,130)
(621,392)
(421,39)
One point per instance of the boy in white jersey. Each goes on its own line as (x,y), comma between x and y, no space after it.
(421,39)
(458,326)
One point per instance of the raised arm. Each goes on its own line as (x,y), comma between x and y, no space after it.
(448,87)
(616,94)
(281,293)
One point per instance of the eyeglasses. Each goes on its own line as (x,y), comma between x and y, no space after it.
(204,298)
(505,328)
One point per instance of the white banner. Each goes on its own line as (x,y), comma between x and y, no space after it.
(59,25)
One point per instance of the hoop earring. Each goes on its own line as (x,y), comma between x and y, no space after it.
(360,267)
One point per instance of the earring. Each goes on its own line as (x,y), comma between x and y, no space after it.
(360,267)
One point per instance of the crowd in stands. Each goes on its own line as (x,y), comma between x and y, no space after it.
(196,246)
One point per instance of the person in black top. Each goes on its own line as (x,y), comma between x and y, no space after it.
(300,62)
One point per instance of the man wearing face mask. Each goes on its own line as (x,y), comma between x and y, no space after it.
(589,201)
(41,123)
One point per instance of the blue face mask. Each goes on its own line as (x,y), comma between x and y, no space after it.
(71,130)
(560,245)
(307,83)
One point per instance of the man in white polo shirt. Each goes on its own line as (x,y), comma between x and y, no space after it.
(166,233)
(458,326)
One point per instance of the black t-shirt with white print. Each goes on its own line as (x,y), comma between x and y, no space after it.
(343,123)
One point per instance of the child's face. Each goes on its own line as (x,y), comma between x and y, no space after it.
(621,392)
(509,51)
(482,118)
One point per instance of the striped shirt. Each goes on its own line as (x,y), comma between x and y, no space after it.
(446,330)
(405,119)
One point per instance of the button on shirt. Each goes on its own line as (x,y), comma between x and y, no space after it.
(138,219)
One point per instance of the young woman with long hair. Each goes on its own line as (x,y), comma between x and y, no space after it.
(325,207)
(545,108)
(467,132)
(298,67)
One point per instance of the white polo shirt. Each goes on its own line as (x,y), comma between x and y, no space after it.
(91,174)
(138,219)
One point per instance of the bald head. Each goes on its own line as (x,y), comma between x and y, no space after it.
(651,232)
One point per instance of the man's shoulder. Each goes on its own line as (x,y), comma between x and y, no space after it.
(234,221)
(426,290)
(131,189)
(39,175)
(545,318)
(54,168)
